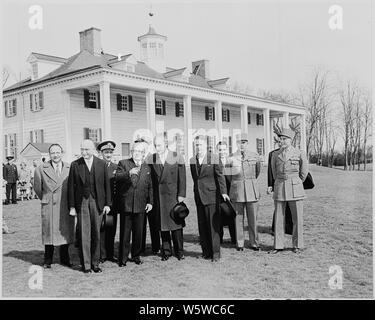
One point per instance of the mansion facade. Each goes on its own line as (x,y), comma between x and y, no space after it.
(102,96)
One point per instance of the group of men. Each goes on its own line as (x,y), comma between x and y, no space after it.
(81,200)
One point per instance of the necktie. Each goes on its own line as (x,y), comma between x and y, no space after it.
(199,165)
(242,155)
(57,170)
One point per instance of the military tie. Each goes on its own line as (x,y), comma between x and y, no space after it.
(199,166)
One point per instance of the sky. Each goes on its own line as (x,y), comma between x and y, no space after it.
(269,45)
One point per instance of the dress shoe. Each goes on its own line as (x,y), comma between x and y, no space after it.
(181,257)
(112,259)
(138,261)
(239,248)
(47,266)
(86,270)
(101,260)
(296,250)
(164,257)
(255,248)
(66,264)
(275,251)
(206,256)
(122,264)
(97,270)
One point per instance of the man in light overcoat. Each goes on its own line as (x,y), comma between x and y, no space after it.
(51,187)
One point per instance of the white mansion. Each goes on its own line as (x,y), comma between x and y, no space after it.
(101,96)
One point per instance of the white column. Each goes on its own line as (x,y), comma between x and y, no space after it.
(219,119)
(150,110)
(285,120)
(303,132)
(188,127)
(267,137)
(271,133)
(244,123)
(65,101)
(105,107)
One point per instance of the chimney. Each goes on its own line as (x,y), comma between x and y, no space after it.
(201,68)
(90,40)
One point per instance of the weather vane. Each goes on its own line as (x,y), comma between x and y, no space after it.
(151,14)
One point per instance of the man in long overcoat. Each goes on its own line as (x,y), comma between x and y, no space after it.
(168,173)
(51,187)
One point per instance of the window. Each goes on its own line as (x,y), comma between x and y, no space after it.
(10,144)
(196,69)
(260,146)
(37,136)
(228,140)
(10,107)
(35,70)
(124,102)
(91,99)
(144,50)
(94,134)
(36,101)
(259,119)
(211,143)
(153,50)
(125,147)
(160,107)
(226,115)
(248,118)
(179,109)
(210,113)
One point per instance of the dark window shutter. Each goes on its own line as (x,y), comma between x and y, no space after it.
(100,134)
(85,133)
(223,111)
(156,110)
(86,95)
(41,100)
(263,147)
(6,108)
(31,101)
(262,119)
(213,113)
(257,119)
(206,112)
(248,118)
(163,105)
(119,98)
(42,136)
(31,137)
(130,103)
(97,99)
(177,108)
(228,115)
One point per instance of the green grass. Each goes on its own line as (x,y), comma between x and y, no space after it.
(337,230)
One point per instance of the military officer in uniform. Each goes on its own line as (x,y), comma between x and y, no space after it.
(10,175)
(108,231)
(244,191)
(289,169)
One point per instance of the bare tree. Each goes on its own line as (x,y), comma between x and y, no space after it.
(367,124)
(315,98)
(5,76)
(348,97)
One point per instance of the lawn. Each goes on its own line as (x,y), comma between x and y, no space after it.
(337,228)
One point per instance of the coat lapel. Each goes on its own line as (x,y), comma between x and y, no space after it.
(205,162)
(81,169)
(49,171)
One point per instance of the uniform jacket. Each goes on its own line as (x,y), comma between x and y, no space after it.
(10,173)
(244,175)
(76,183)
(52,190)
(289,172)
(209,181)
(270,179)
(111,170)
(169,182)
(134,192)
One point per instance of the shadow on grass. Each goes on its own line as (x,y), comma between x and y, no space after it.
(34,256)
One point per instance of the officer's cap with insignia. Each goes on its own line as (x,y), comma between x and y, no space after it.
(106,145)
(9,157)
(242,137)
(287,133)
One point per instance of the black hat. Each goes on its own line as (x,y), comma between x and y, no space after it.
(9,157)
(107,221)
(179,212)
(227,209)
(105,145)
